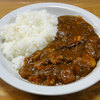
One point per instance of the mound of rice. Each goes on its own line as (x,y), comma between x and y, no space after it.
(31,31)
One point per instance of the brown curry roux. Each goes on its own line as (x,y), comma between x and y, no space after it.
(73,54)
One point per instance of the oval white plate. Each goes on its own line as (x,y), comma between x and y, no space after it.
(8,74)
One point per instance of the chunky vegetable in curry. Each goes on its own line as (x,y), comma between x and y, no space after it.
(72,55)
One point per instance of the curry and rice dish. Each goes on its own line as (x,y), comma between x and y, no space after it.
(73,54)
(49,50)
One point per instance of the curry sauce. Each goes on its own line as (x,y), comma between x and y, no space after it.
(72,55)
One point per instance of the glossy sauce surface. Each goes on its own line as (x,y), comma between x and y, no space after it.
(73,54)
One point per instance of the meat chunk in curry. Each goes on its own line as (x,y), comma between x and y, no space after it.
(72,55)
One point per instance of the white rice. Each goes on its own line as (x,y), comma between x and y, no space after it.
(31,31)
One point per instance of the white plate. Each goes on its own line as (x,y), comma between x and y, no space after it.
(9,75)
